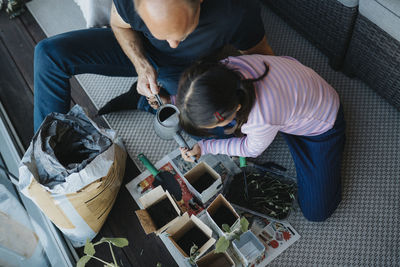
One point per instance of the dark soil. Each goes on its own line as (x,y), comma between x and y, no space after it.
(203,182)
(223,215)
(166,113)
(162,212)
(218,260)
(236,194)
(193,236)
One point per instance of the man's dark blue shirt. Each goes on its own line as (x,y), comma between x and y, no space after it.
(222,22)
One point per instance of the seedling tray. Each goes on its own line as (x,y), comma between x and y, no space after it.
(270,194)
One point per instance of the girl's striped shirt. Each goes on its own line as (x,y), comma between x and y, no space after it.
(292,99)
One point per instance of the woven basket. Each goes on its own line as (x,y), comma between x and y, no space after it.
(326,23)
(374,57)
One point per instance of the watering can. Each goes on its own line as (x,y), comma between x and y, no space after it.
(166,125)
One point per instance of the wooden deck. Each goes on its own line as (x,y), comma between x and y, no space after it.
(17,41)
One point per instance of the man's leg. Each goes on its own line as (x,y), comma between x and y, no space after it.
(58,58)
(318,165)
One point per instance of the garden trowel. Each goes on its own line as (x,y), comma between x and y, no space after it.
(163,178)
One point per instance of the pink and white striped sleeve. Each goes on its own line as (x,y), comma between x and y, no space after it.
(257,139)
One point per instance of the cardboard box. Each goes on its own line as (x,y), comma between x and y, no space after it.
(213,208)
(213,259)
(149,199)
(183,225)
(194,174)
(249,248)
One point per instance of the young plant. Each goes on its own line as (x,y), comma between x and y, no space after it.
(90,251)
(224,242)
(14,7)
(272,196)
(194,253)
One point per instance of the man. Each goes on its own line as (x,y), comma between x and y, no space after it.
(152,39)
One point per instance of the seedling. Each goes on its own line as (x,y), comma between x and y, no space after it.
(194,253)
(268,194)
(224,242)
(14,7)
(90,251)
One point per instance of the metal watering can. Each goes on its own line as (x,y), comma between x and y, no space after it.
(166,125)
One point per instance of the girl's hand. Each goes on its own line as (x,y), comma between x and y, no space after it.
(186,153)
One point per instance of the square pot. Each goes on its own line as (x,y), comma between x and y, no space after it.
(219,212)
(249,248)
(213,259)
(203,181)
(186,231)
(155,202)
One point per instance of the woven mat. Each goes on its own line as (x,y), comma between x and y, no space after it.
(365,228)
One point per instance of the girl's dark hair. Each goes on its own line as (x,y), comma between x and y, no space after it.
(209,87)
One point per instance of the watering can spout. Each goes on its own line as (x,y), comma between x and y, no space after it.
(182,143)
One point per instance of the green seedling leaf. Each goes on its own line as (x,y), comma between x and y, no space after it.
(194,249)
(159,264)
(82,261)
(194,253)
(244,224)
(89,248)
(221,245)
(226,228)
(118,242)
(236,236)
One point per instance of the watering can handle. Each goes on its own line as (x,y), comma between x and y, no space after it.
(182,143)
(148,164)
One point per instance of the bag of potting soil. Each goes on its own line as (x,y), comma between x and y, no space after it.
(72,171)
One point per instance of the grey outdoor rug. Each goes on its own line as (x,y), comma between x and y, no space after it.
(364,231)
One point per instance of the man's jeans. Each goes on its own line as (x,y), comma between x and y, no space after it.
(86,51)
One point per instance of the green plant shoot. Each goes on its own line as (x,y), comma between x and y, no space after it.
(224,242)
(89,250)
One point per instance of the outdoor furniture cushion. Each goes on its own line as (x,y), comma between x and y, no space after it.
(327,24)
(374,52)
(384,13)
(95,12)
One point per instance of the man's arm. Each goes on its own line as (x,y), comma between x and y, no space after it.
(262,48)
(131,43)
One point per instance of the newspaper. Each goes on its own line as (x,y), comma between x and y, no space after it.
(275,235)
(174,163)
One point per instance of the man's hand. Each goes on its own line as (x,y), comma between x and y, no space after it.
(186,153)
(147,79)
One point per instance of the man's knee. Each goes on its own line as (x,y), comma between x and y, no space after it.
(49,51)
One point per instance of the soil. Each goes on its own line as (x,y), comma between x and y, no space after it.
(193,236)
(203,182)
(218,260)
(166,113)
(223,215)
(162,212)
(236,195)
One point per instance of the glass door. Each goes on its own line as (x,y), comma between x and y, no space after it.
(27,237)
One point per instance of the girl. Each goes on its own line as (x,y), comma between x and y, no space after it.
(261,96)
